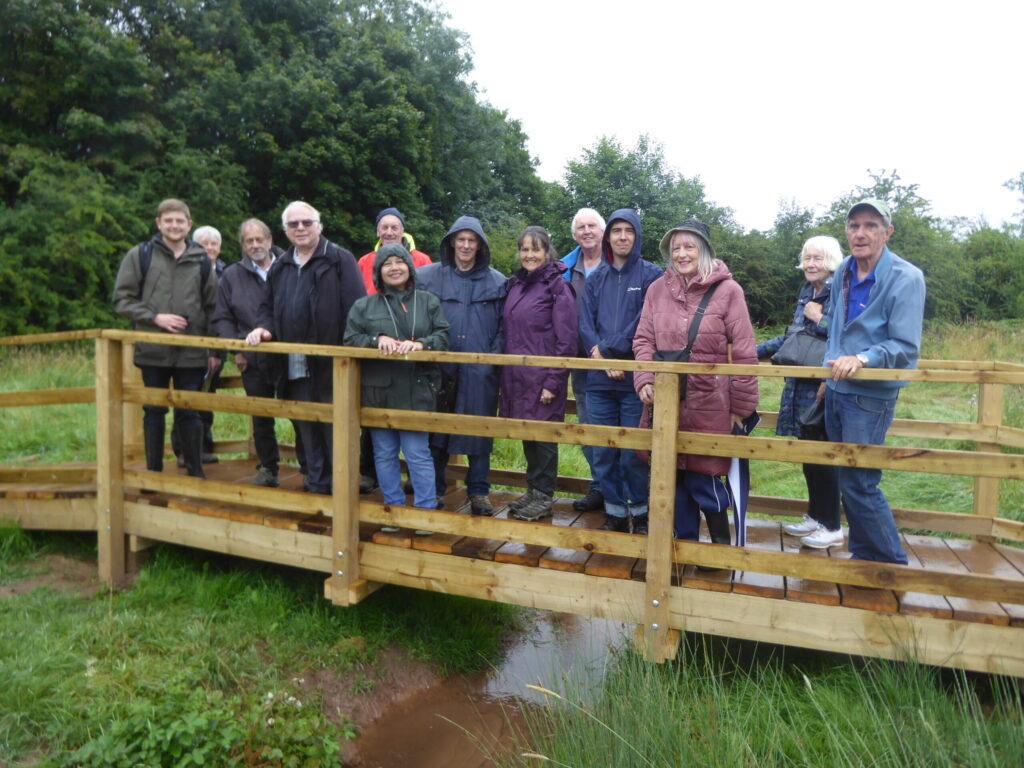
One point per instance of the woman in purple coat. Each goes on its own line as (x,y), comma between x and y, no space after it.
(539,319)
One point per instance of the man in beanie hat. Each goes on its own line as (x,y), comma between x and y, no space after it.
(390,229)
(876,313)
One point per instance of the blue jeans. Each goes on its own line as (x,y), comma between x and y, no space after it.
(386,444)
(621,476)
(864,420)
(476,474)
(583,416)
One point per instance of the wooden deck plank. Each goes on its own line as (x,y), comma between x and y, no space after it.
(864,598)
(572,560)
(921,603)
(808,590)
(764,535)
(981,557)
(529,554)
(713,581)
(934,553)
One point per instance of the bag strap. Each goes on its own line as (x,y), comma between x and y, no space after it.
(699,315)
(146,259)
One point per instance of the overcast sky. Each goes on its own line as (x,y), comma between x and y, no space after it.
(769,101)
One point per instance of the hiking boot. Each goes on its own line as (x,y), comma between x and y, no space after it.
(538,506)
(210,458)
(367,484)
(640,525)
(522,501)
(593,501)
(480,505)
(823,538)
(807,525)
(617,524)
(266,477)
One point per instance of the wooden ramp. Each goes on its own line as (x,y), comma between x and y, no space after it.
(513,564)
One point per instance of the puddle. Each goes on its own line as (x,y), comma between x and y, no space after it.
(453,724)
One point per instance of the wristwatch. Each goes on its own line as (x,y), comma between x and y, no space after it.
(863,358)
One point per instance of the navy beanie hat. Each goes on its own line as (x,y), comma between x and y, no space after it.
(389,212)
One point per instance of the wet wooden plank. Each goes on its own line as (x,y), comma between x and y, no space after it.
(766,536)
(922,603)
(982,557)
(934,553)
(572,560)
(864,598)
(481,549)
(808,590)
(529,554)
(610,566)
(318,523)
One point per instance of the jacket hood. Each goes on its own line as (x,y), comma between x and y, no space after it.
(385,253)
(483,255)
(629,216)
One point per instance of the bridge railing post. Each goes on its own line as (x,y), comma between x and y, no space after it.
(659,641)
(986,489)
(345,498)
(110,462)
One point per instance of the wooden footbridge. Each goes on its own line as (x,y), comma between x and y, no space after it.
(960,603)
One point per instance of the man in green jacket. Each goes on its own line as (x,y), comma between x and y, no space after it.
(166,285)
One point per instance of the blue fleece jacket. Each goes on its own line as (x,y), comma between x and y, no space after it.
(888,330)
(612,301)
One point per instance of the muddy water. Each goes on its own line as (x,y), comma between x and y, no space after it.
(451,725)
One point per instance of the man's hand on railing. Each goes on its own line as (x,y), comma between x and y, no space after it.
(256,335)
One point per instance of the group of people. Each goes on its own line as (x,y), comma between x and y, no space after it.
(602,301)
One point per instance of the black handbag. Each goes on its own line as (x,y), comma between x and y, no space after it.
(811,424)
(683,355)
(801,347)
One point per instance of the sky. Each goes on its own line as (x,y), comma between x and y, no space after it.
(769,101)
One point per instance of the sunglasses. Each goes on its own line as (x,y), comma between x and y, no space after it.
(304,223)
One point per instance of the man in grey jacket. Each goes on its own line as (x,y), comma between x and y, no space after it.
(166,285)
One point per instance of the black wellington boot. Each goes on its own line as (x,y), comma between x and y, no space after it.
(153,440)
(718,528)
(192,449)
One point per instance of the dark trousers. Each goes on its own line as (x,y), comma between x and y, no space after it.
(206,417)
(160,377)
(315,436)
(258,384)
(541,465)
(476,475)
(367,466)
(823,494)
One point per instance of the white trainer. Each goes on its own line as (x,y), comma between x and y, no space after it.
(823,538)
(804,527)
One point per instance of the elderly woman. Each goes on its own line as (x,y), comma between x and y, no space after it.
(712,403)
(396,320)
(820,527)
(539,319)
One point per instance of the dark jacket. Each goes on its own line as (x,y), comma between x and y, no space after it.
(710,398)
(324,291)
(240,292)
(171,286)
(401,314)
(798,394)
(612,301)
(575,276)
(539,319)
(472,302)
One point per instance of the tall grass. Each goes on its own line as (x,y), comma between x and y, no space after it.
(708,708)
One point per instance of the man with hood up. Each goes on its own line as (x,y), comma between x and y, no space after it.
(472,296)
(612,301)
(398,319)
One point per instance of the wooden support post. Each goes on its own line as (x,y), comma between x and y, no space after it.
(110,462)
(345,526)
(132,412)
(986,489)
(659,642)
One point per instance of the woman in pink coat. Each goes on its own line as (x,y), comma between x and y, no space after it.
(713,403)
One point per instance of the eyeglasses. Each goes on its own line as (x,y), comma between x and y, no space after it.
(304,223)
(813,259)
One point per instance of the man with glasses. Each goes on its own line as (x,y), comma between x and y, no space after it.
(876,312)
(311,288)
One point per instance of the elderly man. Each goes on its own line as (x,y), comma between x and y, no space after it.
(167,285)
(242,289)
(390,229)
(312,286)
(877,310)
(587,230)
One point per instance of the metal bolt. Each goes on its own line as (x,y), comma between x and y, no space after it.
(341,573)
(341,554)
(655,603)
(655,627)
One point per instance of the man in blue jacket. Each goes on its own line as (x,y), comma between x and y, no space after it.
(612,300)
(877,308)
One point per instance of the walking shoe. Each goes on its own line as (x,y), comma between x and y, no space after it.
(180,461)
(823,538)
(640,525)
(210,458)
(266,477)
(480,505)
(421,532)
(807,525)
(389,529)
(367,484)
(538,506)
(593,501)
(619,524)
(522,501)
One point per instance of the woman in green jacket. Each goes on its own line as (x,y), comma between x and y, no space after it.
(396,320)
